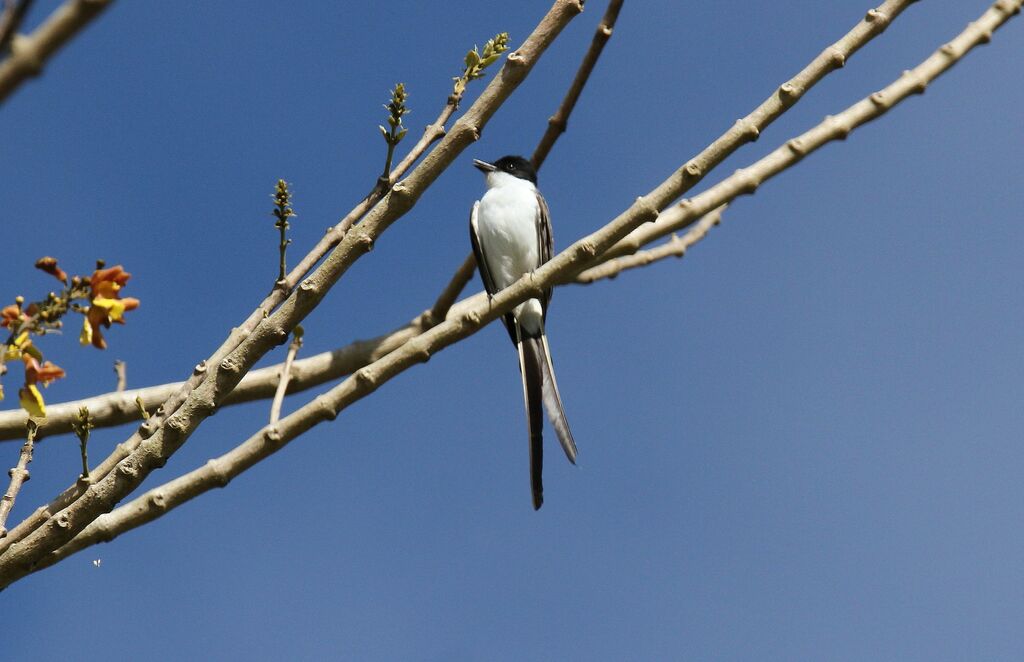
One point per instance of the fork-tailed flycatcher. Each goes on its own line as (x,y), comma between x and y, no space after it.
(511,233)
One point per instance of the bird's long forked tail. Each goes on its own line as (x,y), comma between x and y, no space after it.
(540,392)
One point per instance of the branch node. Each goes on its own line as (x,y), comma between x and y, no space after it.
(220,478)
(646,209)
(515,59)
(200,368)
(158,501)
(325,406)
(748,129)
(878,98)
(588,249)
(748,180)
(693,169)
(878,18)
(273,435)
(364,241)
(797,146)
(1008,7)
(62,521)
(23,48)
(230,365)
(146,429)
(365,376)
(788,93)
(127,468)
(838,58)
(919,85)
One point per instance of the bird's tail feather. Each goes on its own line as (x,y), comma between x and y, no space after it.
(553,403)
(532,363)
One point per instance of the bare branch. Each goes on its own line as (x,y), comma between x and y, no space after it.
(19,475)
(560,120)
(469,316)
(30,53)
(451,292)
(676,246)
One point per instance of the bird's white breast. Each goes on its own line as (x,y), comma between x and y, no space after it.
(507,228)
(507,223)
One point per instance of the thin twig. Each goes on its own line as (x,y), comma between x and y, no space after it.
(18,474)
(676,246)
(478,311)
(453,289)
(121,368)
(30,53)
(560,120)
(286,371)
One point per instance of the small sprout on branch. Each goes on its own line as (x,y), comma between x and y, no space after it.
(81,427)
(142,408)
(282,212)
(392,136)
(475,64)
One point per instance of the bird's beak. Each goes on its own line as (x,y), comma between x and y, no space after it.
(484,166)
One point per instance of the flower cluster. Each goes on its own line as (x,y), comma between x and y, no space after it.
(97,297)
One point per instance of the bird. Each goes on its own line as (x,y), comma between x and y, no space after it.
(510,228)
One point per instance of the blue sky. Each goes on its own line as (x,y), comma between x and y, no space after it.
(801,442)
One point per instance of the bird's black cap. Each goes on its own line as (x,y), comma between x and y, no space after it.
(516,166)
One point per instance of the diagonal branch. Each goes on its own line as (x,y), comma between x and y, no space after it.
(220,378)
(30,53)
(19,474)
(676,246)
(471,315)
(560,120)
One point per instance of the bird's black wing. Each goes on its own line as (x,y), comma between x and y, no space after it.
(545,243)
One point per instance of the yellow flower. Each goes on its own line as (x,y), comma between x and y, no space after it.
(32,401)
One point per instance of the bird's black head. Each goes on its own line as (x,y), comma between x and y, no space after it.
(516,166)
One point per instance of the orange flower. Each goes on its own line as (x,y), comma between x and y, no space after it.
(36,373)
(106,282)
(107,306)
